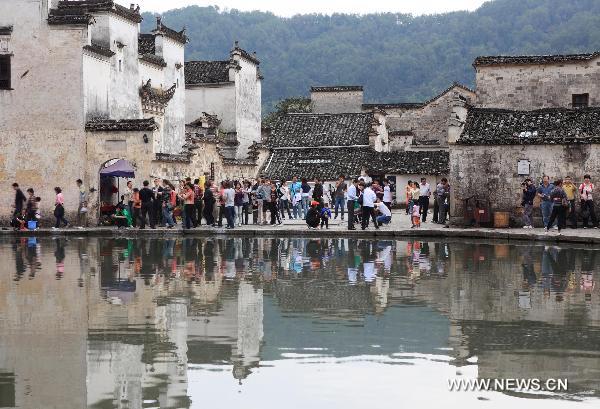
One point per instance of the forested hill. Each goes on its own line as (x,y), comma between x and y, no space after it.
(396,57)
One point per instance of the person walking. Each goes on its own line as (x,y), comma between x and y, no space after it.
(543,192)
(229,204)
(352,194)
(168,194)
(157,191)
(425,196)
(273,206)
(239,204)
(137,207)
(408,194)
(247,200)
(305,187)
(571,192)
(558,198)
(338,197)
(317,194)
(284,200)
(187,196)
(416,197)
(259,194)
(197,203)
(527,202)
(443,193)
(59,208)
(209,203)
(30,205)
(82,208)
(128,200)
(20,200)
(586,192)
(387,194)
(368,207)
(296,197)
(147,199)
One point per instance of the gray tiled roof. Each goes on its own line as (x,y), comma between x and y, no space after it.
(146,44)
(206,72)
(546,126)
(114,125)
(98,49)
(91,6)
(533,59)
(69,17)
(330,163)
(337,88)
(304,130)
(154,59)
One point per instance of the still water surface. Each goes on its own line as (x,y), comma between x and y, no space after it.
(294,323)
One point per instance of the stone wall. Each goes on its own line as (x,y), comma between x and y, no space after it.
(528,87)
(491,171)
(336,102)
(42,141)
(428,124)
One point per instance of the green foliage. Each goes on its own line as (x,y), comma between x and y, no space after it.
(294,104)
(396,57)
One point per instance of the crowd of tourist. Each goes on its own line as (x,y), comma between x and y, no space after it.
(558,203)
(228,204)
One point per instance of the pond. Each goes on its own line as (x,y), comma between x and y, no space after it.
(296,323)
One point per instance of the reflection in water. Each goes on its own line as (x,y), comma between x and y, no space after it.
(179,323)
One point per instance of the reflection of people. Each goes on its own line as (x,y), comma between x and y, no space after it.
(59,254)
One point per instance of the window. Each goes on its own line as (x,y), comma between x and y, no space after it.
(5,72)
(581,100)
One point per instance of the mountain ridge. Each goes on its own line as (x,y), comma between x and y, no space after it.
(396,57)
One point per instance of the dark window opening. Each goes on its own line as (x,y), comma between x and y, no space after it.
(5,72)
(581,100)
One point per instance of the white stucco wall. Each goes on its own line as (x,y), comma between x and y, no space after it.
(215,99)
(96,82)
(174,117)
(125,78)
(248,105)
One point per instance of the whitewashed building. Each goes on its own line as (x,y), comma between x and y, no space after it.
(81,86)
(231,91)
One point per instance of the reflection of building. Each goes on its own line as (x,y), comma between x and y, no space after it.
(188,313)
(231,333)
(43,327)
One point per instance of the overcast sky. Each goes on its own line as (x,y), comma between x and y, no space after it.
(290,7)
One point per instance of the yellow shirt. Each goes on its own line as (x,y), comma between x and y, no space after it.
(416,193)
(570,190)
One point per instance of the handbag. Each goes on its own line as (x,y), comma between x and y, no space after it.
(565,202)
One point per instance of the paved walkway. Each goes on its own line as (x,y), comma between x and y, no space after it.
(399,227)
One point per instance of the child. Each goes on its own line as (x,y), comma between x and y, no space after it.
(416,217)
(325,216)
